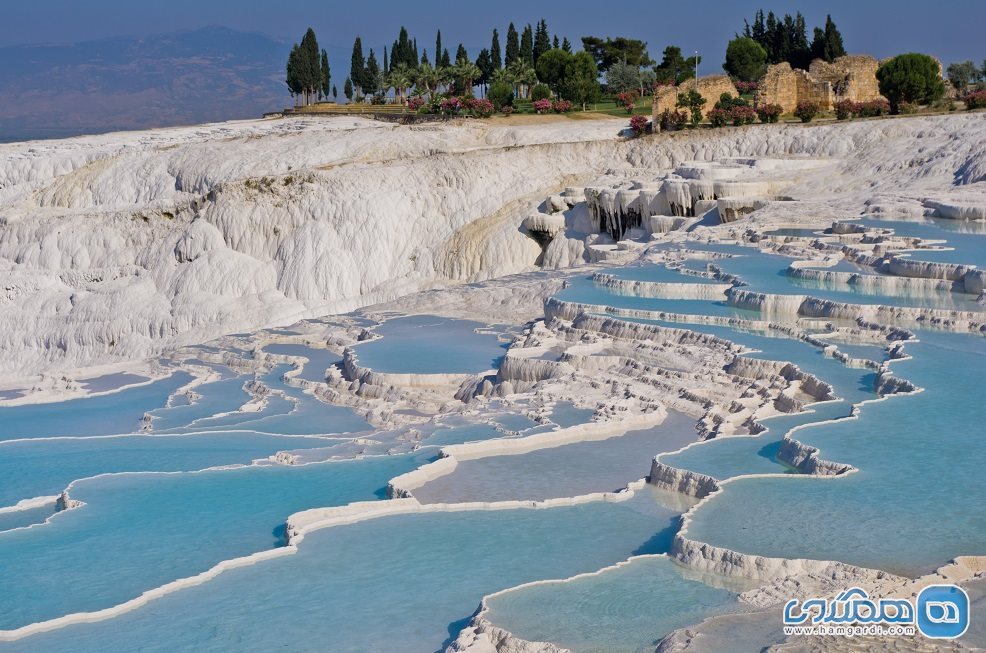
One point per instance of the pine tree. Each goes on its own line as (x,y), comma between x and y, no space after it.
(357,66)
(527,45)
(554,44)
(513,46)
(542,42)
(495,57)
(566,45)
(461,54)
(326,75)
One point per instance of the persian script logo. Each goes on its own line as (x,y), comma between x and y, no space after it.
(939,612)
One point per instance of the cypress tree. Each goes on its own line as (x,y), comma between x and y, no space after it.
(347,89)
(495,57)
(827,43)
(438,49)
(413,60)
(566,45)
(554,44)
(542,42)
(335,92)
(527,45)
(371,81)
(424,58)
(293,74)
(461,54)
(513,46)
(326,75)
(309,66)
(446,60)
(357,65)
(387,66)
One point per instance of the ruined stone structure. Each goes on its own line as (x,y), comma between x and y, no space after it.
(666,97)
(847,78)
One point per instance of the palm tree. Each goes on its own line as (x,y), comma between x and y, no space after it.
(523,77)
(502,75)
(426,78)
(400,78)
(465,73)
(444,76)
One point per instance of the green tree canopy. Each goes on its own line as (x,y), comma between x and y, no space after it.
(527,45)
(674,68)
(606,52)
(495,57)
(961,74)
(371,76)
(551,68)
(542,42)
(513,46)
(581,82)
(621,77)
(745,59)
(827,43)
(357,65)
(911,78)
(347,89)
(326,74)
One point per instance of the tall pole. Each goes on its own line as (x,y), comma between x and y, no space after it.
(696,68)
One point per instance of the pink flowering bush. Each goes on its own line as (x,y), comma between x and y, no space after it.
(628,99)
(769,112)
(743,115)
(481,108)
(719,117)
(542,106)
(975,100)
(747,87)
(561,106)
(415,103)
(638,124)
(845,109)
(506,109)
(671,120)
(450,106)
(806,111)
(873,108)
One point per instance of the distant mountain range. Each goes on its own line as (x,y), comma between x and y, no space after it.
(204,75)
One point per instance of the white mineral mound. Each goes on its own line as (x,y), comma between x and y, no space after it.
(120,246)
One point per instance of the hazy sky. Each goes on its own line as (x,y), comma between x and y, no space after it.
(948,29)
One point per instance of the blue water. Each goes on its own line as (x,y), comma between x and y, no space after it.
(401,583)
(32,468)
(139,531)
(654,272)
(426,344)
(107,414)
(565,414)
(625,610)
(916,501)
(318,359)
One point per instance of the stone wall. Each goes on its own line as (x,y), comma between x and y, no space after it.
(711,87)
(852,77)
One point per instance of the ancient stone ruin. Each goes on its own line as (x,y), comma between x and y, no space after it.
(850,77)
(711,87)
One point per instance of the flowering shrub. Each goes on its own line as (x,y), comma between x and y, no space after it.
(671,120)
(845,109)
(742,115)
(806,111)
(481,108)
(561,106)
(506,109)
(769,112)
(628,99)
(415,103)
(746,87)
(542,106)
(975,100)
(873,108)
(638,124)
(719,117)
(450,105)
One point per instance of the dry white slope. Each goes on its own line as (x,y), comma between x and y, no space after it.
(120,246)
